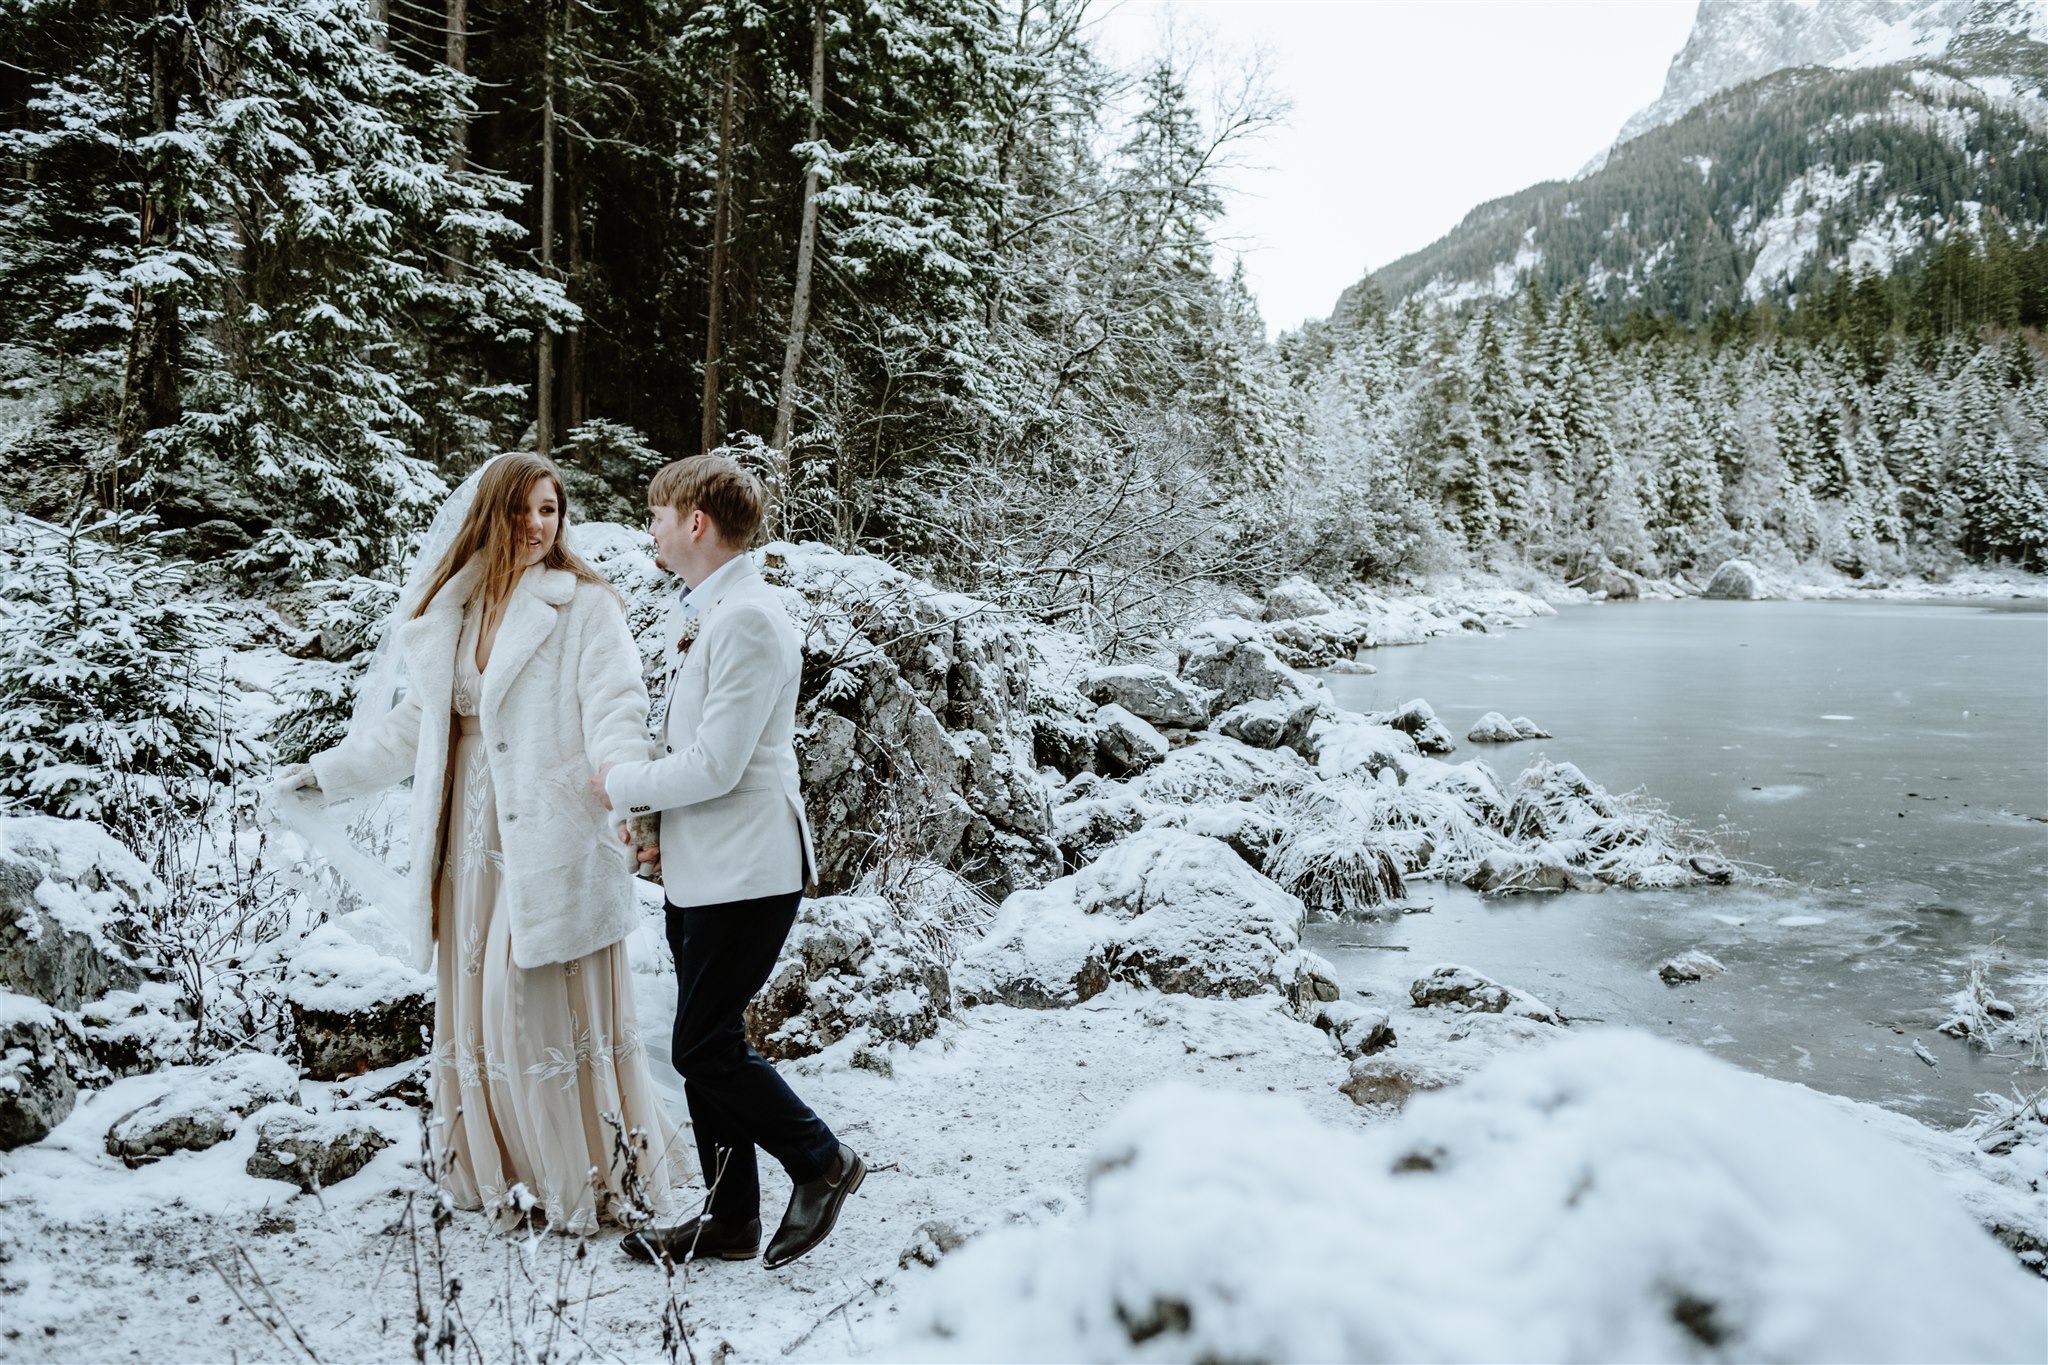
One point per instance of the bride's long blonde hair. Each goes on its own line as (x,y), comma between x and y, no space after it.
(491,529)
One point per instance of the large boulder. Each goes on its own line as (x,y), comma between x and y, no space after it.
(1166,909)
(203,1107)
(72,907)
(918,721)
(314,1151)
(1736,580)
(42,1059)
(1150,693)
(1295,597)
(1228,661)
(858,964)
(353,1007)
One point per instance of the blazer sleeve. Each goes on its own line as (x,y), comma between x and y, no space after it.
(610,693)
(370,760)
(745,668)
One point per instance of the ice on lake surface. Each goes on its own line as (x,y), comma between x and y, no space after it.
(1888,760)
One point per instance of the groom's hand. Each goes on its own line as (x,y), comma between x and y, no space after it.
(597,785)
(649,859)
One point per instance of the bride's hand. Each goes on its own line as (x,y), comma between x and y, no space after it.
(298,777)
(597,787)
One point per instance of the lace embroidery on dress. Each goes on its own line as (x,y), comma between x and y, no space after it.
(584,1052)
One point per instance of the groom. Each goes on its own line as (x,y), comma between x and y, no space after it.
(732,821)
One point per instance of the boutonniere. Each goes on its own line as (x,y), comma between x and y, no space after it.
(688,635)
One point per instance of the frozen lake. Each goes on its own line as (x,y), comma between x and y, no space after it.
(1889,760)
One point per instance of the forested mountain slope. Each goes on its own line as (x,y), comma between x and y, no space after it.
(1763,191)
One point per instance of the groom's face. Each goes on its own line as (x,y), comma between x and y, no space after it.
(671,538)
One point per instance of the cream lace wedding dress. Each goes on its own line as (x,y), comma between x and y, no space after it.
(539,1079)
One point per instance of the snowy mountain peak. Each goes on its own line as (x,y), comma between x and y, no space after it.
(1734,41)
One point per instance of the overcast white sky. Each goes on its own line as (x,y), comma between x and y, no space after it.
(1407,115)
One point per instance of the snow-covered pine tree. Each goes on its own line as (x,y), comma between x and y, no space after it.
(106,708)
(295,357)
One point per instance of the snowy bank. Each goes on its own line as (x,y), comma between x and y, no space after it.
(1612,1197)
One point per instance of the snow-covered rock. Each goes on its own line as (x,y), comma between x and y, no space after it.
(1450,986)
(1736,580)
(1126,743)
(1229,661)
(920,714)
(1608,1198)
(1271,722)
(42,1057)
(355,1008)
(1149,693)
(1509,872)
(1166,909)
(1495,728)
(1296,597)
(1359,748)
(314,1151)
(1359,1031)
(72,902)
(202,1107)
(1612,582)
(851,963)
(1417,720)
(1063,743)
(1696,965)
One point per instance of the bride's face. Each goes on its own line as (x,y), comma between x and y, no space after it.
(537,525)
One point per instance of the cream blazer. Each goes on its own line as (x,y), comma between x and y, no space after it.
(562,697)
(733,825)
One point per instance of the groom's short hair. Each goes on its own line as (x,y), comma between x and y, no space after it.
(717,486)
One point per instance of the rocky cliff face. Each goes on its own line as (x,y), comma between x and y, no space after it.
(1734,41)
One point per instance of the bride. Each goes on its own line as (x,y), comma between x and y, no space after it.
(523,680)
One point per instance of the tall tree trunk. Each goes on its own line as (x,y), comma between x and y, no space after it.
(806,250)
(574,396)
(544,377)
(380,16)
(150,396)
(721,225)
(458,155)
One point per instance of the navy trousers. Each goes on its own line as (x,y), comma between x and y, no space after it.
(724,954)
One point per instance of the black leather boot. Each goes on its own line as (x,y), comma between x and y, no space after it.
(701,1239)
(814,1208)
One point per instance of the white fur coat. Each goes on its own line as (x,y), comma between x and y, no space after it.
(562,696)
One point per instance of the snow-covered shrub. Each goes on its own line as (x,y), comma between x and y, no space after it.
(1611,1197)
(105,711)
(1334,850)
(1995,1022)
(348,615)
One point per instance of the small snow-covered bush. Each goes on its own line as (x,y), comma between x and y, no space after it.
(104,710)
(348,614)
